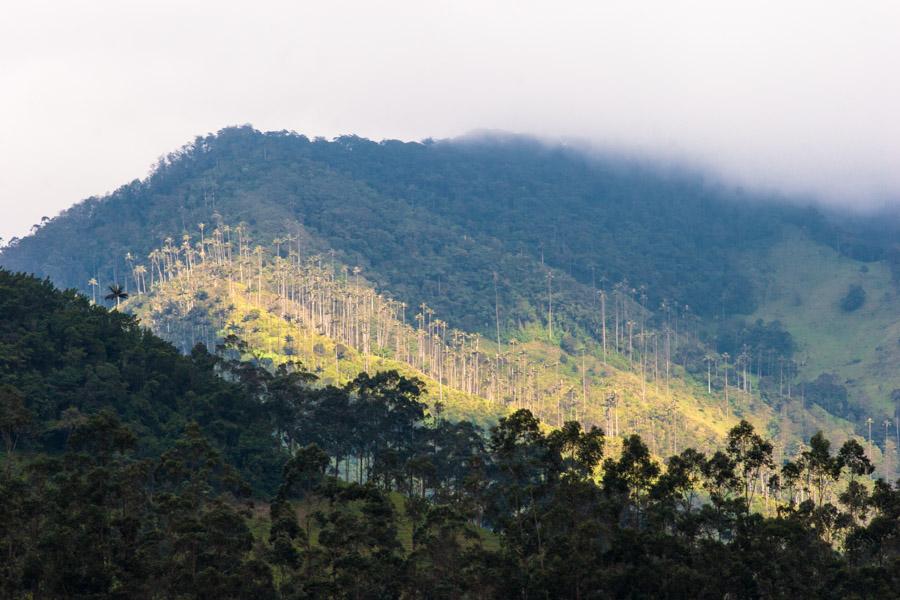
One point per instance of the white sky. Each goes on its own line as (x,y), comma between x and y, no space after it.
(801,96)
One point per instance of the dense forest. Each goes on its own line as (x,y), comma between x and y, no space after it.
(294,368)
(516,240)
(434,222)
(131,470)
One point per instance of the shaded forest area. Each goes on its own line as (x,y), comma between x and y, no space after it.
(132,471)
(435,222)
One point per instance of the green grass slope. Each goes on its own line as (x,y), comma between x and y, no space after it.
(207,304)
(803,284)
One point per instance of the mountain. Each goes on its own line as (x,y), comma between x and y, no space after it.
(367,394)
(506,233)
(122,465)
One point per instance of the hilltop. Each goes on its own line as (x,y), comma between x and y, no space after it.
(505,235)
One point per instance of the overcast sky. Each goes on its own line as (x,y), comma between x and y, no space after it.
(800,96)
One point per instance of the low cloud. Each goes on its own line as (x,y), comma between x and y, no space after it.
(800,97)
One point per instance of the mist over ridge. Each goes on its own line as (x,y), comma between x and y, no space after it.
(799,99)
(455,299)
(682,164)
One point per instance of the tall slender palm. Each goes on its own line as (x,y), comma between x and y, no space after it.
(129,260)
(116,293)
(550,302)
(140,271)
(884,457)
(725,357)
(709,358)
(93,283)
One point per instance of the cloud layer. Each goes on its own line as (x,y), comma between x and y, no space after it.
(803,97)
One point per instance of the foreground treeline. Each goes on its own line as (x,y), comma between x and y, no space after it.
(130,471)
(519,513)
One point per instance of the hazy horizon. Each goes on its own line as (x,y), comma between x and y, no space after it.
(798,98)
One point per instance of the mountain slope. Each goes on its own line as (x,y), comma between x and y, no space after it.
(373,497)
(64,360)
(804,285)
(322,313)
(434,221)
(492,233)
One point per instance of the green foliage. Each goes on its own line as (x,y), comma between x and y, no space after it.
(125,462)
(518,511)
(98,521)
(287,326)
(853,299)
(766,340)
(64,360)
(473,228)
(434,222)
(828,392)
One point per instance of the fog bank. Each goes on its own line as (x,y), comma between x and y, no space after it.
(801,97)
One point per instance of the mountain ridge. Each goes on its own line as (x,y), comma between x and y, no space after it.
(509,236)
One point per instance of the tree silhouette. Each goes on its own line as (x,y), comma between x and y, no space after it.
(116,293)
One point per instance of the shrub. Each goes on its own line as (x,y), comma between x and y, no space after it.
(828,392)
(854,299)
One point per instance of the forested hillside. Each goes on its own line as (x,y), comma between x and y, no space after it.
(506,237)
(123,469)
(282,306)
(434,221)
(63,360)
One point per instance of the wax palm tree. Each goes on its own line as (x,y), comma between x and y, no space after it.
(709,358)
(129,260)
(140,271)
(116,293)
(93,283)
(725,357)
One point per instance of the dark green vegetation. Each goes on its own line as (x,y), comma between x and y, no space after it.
(121,479)
(855,298)
(505,233)
(66,360)
(603,291)
(433,222)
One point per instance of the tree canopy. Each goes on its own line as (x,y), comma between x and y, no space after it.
(132,471)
